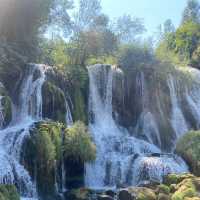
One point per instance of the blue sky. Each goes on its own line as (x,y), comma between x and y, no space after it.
(154,12)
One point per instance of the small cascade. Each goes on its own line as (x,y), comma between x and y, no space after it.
(119,155)
(155,168)
(146,126)
(178,121)
(61,188)
(25,115)
(68,117)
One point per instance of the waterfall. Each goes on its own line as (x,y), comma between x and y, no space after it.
(178,121)
(25,115)
(68,116)
(146,125)
(119,155)
(69,122)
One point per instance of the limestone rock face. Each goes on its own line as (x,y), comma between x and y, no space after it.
(158,103)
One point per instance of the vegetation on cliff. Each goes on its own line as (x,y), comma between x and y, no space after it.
(8,192)
(188,147)
(50,144)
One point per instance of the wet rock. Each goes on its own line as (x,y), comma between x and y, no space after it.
(163,196)
(124,194)
(110,193)
(104,197)
(172,188)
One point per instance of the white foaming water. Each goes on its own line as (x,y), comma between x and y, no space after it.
(117,152)
(155,168)
(25,114)
(69,123)
(68,117)
(178,121)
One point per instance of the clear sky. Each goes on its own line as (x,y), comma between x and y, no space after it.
(154,12)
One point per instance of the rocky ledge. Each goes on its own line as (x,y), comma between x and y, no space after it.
(174,187)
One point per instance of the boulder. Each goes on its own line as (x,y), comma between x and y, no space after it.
(124,194)
(110,193)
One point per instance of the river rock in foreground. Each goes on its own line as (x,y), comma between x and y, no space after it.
(175,187)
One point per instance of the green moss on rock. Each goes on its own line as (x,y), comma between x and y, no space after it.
(185,189)
(53,102)
(188,147)
(163,189)
(8,192)
(78,143)
(80,110)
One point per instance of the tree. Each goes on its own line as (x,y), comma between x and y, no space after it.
(134,55)
(128,28)
(59,18)
(168,26)
(21,21)
(187,39)
(191,12)
(88,11)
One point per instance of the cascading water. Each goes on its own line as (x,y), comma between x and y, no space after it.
(69,122)
(121,159)
(146,125)
(25,115)
(178,121)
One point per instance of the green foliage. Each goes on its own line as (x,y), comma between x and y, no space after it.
(42,151)
(191,12)
(128,28)
(54,106)
(188,147)
(80,109)
(54,52)
(8,192)
(195,61)
(187,39)
(181,47)
(146,194)
(132,56)
(164,189)
(78,144)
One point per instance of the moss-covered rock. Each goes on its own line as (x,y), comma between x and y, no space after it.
(42,152)
(79,194)
(78,143)
(51,146)
(139,193)
(78,149)
(162,196)
(188,147)
(8,192)
(163,189)
(53,102)
(6,107)
(185,189)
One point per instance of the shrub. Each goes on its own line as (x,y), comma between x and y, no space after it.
(8,192)
(78,144)
(188,147)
